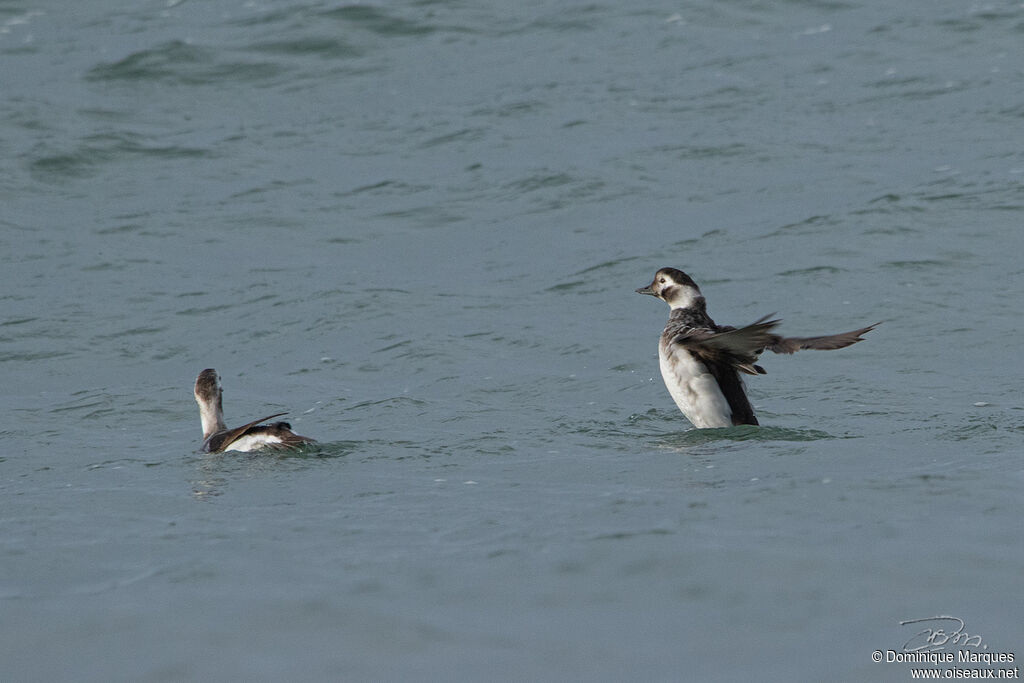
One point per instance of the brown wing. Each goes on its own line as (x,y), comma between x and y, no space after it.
(217,442)
(283,431)
(823,343)
(738,348)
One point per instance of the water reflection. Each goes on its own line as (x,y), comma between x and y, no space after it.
(217,470)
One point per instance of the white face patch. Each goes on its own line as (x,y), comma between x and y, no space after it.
(680,296)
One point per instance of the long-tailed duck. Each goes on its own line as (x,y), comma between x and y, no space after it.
(701,361)
(249,437)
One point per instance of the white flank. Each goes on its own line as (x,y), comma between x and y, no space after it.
(694,390)
(253,442)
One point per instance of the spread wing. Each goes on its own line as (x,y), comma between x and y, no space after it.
(736,347)
(726,351)
(219,441)
(823,343)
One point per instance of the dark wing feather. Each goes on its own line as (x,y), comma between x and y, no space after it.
(218,441)
(738,348)
(283,431)
(823,343)
(726,352)
(732,388)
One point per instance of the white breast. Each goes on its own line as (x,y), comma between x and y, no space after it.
(694,389)
(253,442)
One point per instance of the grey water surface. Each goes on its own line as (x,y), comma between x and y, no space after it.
(417,226)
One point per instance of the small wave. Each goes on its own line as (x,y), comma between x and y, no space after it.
(624,535)
(918,264)
(386,187)
(325,47)
(377,21)
(698,437)
(464,135)
(97,150)
(390,403)
(808,226)
(204,310)
(182,63)
(131,332)
(17,356)
(813,270)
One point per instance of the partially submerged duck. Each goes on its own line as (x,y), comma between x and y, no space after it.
(249,437)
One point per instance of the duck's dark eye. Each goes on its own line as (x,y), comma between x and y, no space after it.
(662,280)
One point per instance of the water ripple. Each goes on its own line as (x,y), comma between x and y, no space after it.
(182,63)
(326,47)
(103,148)
(380,22)
(697,437)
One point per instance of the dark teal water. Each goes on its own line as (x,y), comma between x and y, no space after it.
(417,226)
